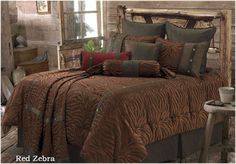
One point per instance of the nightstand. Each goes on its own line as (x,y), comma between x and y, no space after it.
(23,57)
(228,111)
(24,54)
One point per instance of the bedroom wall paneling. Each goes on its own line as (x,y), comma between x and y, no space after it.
(7,60)
(41,31)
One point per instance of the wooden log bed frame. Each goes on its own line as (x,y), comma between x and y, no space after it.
(224,60)
(191,17)
(182,144)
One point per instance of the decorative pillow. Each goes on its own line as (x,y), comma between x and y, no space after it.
(131,68)
(70,58)
(192,58)
(90,59)
(170,53)
(179,34)
(138,29)
(71,62)
(115,43)
(143,51)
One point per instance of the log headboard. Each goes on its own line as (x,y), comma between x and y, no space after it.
(192,17)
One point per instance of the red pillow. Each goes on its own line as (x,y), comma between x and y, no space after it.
(90,59)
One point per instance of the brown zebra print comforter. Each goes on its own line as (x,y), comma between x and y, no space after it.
(110,118)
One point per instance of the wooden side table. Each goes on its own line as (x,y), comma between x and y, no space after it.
(34,67)
(228,110)
(24,54)
(23,57)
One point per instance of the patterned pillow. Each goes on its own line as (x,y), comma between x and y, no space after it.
(115,43)
(131,68)
(90,59)
(143,51)
(170,53)
(192,58)
(179,34)
(70,58)
(139,29)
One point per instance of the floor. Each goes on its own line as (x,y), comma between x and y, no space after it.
(9,149)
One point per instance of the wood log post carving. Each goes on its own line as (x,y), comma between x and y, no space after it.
(191,23)
(121,15)
(226,44)
(148,19)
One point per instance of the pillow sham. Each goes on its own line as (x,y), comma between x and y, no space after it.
(72,61)
(143,51)
(138,29)
(131,68)
(115,43)
(192,57)
(179,34)
(90,59)
(170,53)
(70,58)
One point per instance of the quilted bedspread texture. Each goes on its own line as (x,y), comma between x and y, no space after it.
(110,118)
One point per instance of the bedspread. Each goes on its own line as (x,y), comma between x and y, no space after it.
(110,118)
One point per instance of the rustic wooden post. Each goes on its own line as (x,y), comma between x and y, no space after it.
(132,16)
(62,33)
(121,15)
(62,24)
(105,17)
(226,44)
(7,57)
(148,19)
(191,23)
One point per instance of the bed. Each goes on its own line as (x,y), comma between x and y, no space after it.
(77,117)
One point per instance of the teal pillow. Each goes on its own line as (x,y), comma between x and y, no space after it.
(179,34)
(143,51)
(191,59)
(139,29)
(115,43)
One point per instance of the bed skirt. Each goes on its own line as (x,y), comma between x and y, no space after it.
(169,149)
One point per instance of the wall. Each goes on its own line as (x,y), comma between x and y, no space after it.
(111,13)
(7,65)
(41,31)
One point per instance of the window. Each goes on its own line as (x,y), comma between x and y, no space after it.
(81,20)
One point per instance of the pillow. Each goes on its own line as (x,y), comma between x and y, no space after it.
(179,34)
(170,53)
(138,29)
(131,68)
(191,60)
(115,43)
(70,58)
(90,59)
(72,61)
(142,51)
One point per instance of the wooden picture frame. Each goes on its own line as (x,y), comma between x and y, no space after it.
(43,6)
